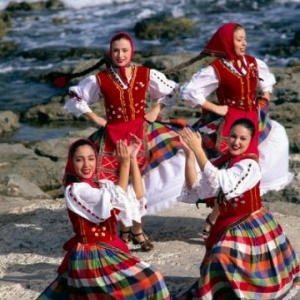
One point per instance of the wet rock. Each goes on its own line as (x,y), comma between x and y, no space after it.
(165,27)
(34,6)
(5,23)
(14,185)
(7,47)
(9,121)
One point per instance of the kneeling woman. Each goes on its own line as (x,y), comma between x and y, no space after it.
(247,254)
(98,264)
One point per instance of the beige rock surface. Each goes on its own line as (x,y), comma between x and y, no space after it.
(32,234)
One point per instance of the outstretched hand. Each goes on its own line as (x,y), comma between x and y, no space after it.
(134,145)
(190,139)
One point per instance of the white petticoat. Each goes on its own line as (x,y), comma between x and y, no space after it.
(163,184)
(274,160)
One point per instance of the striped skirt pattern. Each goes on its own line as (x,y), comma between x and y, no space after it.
(252,260)
(163,141)
(101,272)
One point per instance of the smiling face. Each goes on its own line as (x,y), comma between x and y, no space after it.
(121,52)
(239,140)
(240,41)
(84,161)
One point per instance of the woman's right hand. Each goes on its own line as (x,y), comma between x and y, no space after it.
(122,152)
(99,121)
(221,110)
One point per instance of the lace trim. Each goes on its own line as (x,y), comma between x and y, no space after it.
(190,195)
(230,66)
(211,176)
(117,78)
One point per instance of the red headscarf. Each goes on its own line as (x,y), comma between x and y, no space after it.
(221,43)
(119,36)
(70,175)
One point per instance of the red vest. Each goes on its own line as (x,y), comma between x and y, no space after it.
(246,203)
(89,232)
(123,105)
(125,111)
(235,90)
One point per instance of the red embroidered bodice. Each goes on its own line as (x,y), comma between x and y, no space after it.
(235,90)
(246,203)
(89,232)
(124,104)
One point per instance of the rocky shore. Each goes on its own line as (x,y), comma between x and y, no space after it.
(39,164)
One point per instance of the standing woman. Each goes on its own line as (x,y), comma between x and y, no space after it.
(98,264)
(124,86)
(243,86)
(248,256)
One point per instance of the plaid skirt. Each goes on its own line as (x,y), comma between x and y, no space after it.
(252,260)
(102,272)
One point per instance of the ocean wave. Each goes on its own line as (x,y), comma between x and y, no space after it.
(73,4)
(78,4)
(10,68)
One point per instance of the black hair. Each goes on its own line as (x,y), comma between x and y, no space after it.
(245,123)
(78,144)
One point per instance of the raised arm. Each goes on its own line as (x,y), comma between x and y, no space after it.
(137,183)
(123,157)
(194,142)
(190,171)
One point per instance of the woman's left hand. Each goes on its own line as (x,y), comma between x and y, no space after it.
(134,145)
(191,139)
(151,116)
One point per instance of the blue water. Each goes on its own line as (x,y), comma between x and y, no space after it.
(90,23)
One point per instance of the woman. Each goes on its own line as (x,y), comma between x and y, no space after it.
(124,86)
(98,264)
(243,86)
(247,254)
